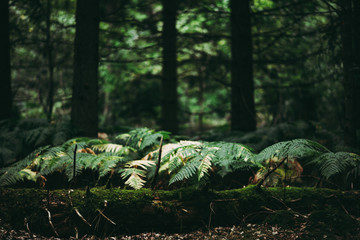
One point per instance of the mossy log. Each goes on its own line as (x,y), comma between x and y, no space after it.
(106,211)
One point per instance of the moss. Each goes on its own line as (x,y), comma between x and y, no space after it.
(181,209)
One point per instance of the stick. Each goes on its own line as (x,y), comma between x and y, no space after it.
(158,163)
(74,167)
(102,214)
(269,172)
(82,218)
(51,224)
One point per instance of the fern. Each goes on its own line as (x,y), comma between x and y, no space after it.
(142,138)
(297,148)
(12,174)
(135,173)
(187,171)
(108,147)
(331,164)
(230,157)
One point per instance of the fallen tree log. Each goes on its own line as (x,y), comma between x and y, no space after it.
(108,211)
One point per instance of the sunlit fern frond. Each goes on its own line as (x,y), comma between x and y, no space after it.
(297,148)
(107,147)
(135,172)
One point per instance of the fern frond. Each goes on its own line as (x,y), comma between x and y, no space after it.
(10,175)
(204,167)
(230,157)
(144,164)
(135,181)
(150,140)
(331,164)
(186,172)
(107,147)
(142,138)
(135,177)
(297,148)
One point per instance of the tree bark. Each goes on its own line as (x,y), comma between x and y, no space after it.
(242,84)
(84,115)
(356,66)
(5,70)
(169,101)
(50,98)
(348,82)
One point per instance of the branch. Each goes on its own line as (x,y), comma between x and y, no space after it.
(102,214)
(158,163)
(258,185)
(51,224)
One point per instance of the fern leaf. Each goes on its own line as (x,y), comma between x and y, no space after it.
(135,181)
(186,172)
(297,148)
(144,164)
(330,164)
(108,147)
(150,140)
(135,177)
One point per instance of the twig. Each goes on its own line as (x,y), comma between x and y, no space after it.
(210,215)
(51,224)
(26,223)
(82,218)
(71,204)
(74,167)
(158,163)
(102,214)
(269,172)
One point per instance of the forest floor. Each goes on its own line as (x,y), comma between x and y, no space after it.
(248,231)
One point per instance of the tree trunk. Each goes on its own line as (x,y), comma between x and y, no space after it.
(169,102)
(356,66)
(84,115)
(50,98)
(242,84)
(5,73)
(348,58)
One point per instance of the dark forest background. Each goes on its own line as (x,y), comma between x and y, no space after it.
(188,67)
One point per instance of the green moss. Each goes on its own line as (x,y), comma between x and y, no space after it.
(187,208)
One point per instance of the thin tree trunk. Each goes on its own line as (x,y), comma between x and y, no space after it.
(356,66)
(169,102)
(5,70)
(84,115)
(347,55)
(50,98)
(242,84)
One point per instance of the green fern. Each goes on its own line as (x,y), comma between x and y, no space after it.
(135,172)
(331,164)
(142,138)
(230,157)
(297,148)
(13,174)
(108,147)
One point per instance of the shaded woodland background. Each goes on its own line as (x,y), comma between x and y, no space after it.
(189,96)
(182,66)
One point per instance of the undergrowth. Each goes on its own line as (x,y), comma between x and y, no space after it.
(130,160)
